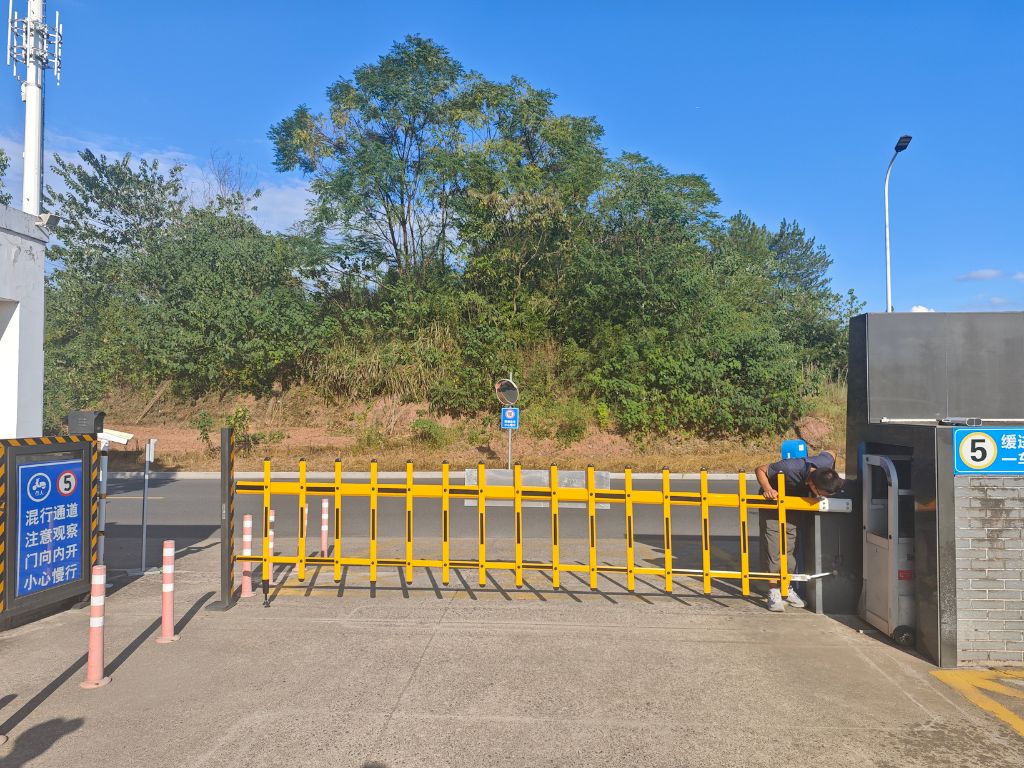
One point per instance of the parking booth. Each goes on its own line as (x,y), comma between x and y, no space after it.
(934,554)
(48,525)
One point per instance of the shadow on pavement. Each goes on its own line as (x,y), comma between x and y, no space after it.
(32,704)
(38,739)
(123,550)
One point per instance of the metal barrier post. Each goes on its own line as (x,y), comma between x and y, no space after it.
(553,484)
(705,530)
(481,471)
(337,520)
(744,539)
(373,521)
(592,526)
(408,522)
(517,492)
(783,539)
(267,567)
(666,502)
(227,520)
(627,486)
(303,520)
(445,510)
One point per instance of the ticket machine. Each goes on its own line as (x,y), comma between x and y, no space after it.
(887,596)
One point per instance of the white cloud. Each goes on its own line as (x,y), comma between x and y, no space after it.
(981,274)
(1018,276)
(281,204)
(998,301)
(921,308)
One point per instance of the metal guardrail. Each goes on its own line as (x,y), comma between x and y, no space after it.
(482,493)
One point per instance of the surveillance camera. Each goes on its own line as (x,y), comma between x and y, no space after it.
(113,436)
(49,221)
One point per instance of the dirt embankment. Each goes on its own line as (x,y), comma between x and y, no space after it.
(299,424)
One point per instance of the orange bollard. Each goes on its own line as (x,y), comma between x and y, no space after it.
(94,677)
(270,576)
(167,607)
(247,590)
(323,528)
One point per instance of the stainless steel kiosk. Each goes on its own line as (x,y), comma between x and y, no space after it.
(920,384)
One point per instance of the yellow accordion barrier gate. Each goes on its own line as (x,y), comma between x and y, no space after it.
(482,493)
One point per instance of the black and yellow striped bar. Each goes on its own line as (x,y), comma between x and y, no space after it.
(3,526)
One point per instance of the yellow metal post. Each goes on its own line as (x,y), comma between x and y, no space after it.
(268,567)
(783,539)
(337,520)
(705,532)
(744,539)
(553,482)
(517,487)
(666,501)
(408,522)
(592,525)
(630,557)
(303,514)
(445,507)
(481,479)
(373,521)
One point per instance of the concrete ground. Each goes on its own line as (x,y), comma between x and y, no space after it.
(426,675)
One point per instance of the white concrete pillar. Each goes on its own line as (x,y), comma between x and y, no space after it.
(22,258)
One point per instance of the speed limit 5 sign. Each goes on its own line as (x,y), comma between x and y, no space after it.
(988,451)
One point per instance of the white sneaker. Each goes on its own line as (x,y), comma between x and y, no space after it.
(775,601)
(794,599)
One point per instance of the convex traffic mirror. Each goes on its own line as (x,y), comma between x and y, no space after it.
(507,391)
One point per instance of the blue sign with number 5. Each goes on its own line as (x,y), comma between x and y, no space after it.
(988,451)
(52,526)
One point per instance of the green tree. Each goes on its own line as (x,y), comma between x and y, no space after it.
(787,277)
(109,211)
(5,161)
(528,183)
(382,161)
(223,304)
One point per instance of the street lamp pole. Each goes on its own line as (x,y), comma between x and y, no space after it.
(902,144)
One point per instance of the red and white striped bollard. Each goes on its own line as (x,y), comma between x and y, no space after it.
(270,576)
(167,587)
(94,677)
(246,552)
(323,528)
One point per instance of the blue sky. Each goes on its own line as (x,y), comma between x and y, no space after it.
(790,109)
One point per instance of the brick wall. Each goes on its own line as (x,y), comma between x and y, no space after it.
(989,569)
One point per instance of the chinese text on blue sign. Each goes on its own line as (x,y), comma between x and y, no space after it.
(510,418)
(50,527)
(988,451)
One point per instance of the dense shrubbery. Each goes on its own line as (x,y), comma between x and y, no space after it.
(460,229)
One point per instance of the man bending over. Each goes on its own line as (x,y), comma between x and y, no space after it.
(811,476)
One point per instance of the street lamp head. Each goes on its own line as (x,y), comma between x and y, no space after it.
(903,143)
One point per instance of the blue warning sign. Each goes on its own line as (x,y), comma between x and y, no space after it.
(988,451)
(51,525)
(510,418)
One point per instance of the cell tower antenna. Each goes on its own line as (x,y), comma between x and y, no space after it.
(37,47)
